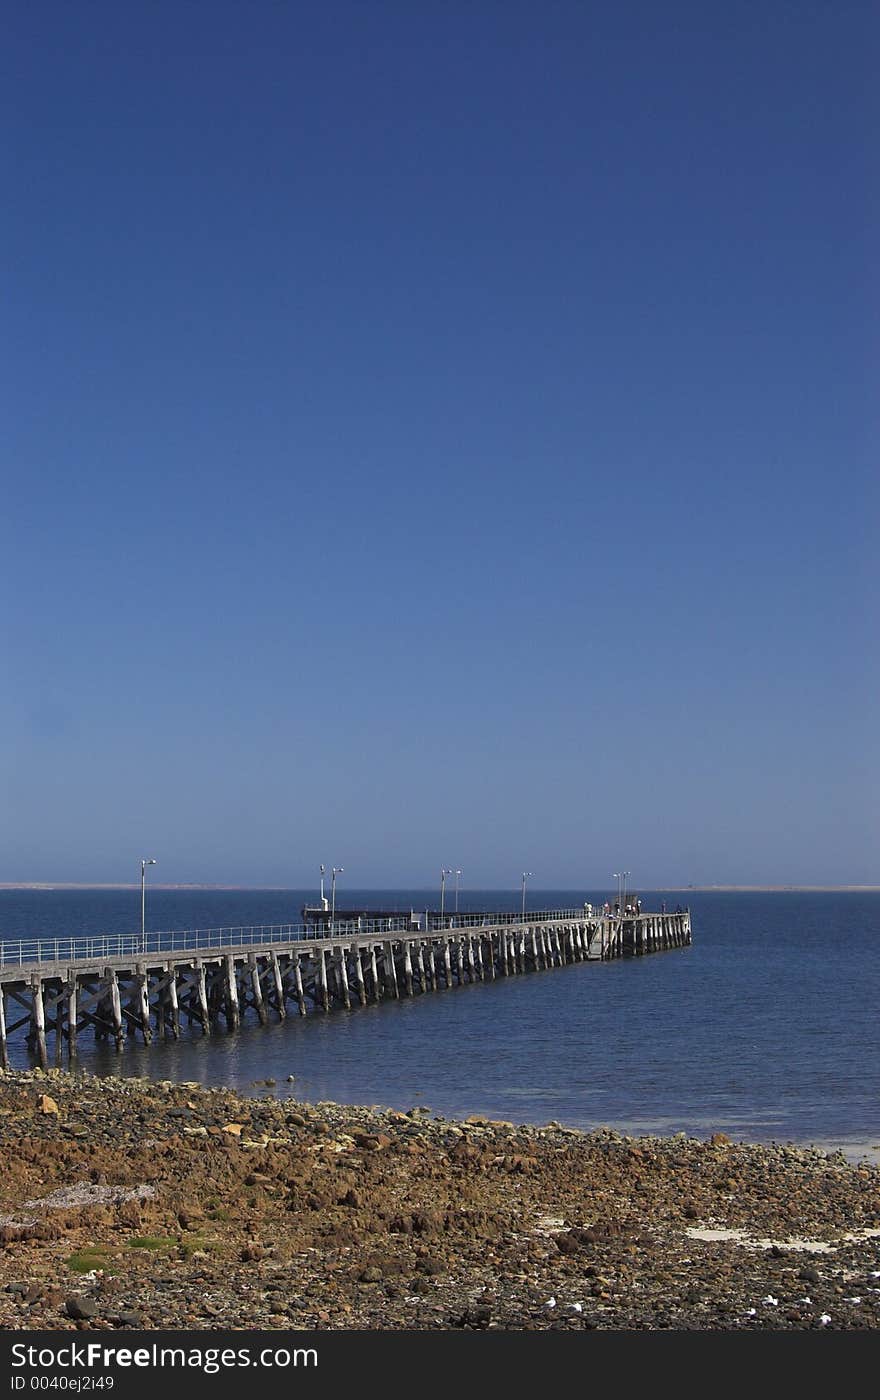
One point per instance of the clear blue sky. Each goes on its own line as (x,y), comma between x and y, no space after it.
(440,434)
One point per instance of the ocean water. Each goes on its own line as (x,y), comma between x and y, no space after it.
(765,1028)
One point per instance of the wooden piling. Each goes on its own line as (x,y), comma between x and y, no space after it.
(202,997)
(37,1036)
(72,1014)
(323,990)
(233,1011)
(360,982)
(277,984)
(390,978)
(407,969)
(478,953)
(374,973)
(142,996)
(431,963)
(169,997)
(342,977)
(115,1006)
(420,967)
(489,956)
(257,988)
(298,984)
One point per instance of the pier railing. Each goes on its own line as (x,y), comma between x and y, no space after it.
(99,947)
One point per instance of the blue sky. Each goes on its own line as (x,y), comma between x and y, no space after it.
(440,434)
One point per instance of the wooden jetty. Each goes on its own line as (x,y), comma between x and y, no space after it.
(121,985)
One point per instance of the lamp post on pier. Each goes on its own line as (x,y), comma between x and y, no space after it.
(337,870)
(525,876)
(144,864)
(457,878)
(616,876)
(443,875)
(623,905)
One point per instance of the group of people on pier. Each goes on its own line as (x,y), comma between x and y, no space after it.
(634,908)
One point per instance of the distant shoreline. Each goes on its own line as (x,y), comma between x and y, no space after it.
(256,889)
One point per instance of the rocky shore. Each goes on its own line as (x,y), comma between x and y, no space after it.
(132,1204)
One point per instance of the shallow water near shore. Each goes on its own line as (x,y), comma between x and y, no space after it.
(764,1029)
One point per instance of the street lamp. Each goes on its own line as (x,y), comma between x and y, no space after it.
(457,878)
(616,876)
(525,876)
(144,864)
(337,870)
(623,905)
(443,874)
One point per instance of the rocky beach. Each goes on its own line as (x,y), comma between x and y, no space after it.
(127,1203)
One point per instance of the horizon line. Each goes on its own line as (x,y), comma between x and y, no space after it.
(419,889)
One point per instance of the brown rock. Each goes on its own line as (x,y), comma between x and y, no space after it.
(81,1309)
(372,1142)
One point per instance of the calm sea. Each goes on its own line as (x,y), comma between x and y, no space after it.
(766,1028)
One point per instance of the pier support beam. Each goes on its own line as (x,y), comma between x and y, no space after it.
(420,968)
(142,998)
(431,963)
(478,953)
(359,979)
(278,984)
(256,987)
(37,1036)
(374,973)
(202,998)
(172,1005)
(233,1013)
(298,984)
(323,989)
(390,978)
(115,1006)
(72,1014)
(342,977)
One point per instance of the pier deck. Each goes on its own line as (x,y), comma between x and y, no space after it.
(119,985)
